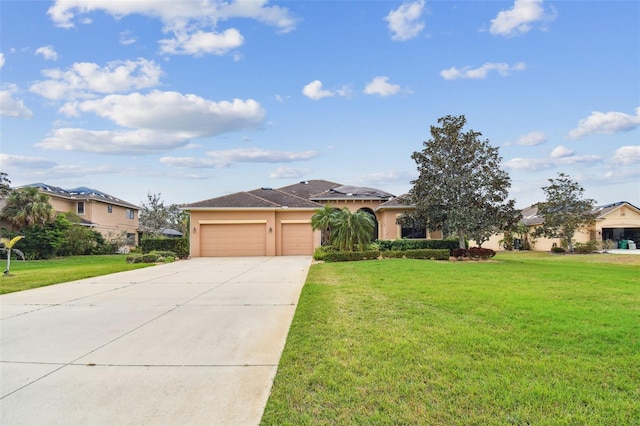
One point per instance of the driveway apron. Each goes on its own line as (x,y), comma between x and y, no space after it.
(192,342)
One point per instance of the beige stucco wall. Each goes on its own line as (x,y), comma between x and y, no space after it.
(623,217)
(108,224)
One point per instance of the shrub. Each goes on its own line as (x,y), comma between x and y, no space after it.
(473,253)
(441,254)
(584,248)
(557,249)
(393,254)
(480,253)
(348,256)
(407,244)
(179,246)
(319,253)
(458,252)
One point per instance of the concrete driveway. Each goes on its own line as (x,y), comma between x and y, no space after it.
(192,342)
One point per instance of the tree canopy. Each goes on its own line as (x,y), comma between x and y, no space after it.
(5,187)
(460,188)
(565,211)
(28,206)
(158,217)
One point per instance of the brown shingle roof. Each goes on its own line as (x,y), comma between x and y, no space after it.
(257,198)
(308,188)
(401,201)
(352,192)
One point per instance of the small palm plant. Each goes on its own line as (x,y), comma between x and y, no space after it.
(7,245)
(351,230)
(322,220)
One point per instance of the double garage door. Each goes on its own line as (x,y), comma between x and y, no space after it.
(250,239)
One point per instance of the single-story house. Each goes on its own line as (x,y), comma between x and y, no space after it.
(615,222)
(277,222)
(102,212)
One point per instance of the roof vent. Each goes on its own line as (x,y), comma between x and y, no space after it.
(304,182)
(266,189)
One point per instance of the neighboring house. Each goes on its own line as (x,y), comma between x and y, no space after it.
(615,222)
(277,222)
(110,216)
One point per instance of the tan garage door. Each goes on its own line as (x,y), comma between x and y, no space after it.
(233,240)
(297,239)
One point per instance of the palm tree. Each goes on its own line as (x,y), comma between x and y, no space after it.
(322,220)
(349,230)
(26,207)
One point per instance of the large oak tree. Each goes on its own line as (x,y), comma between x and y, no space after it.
(460,189)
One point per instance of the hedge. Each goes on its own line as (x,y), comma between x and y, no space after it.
(406,244)
(180,246)
(347,256)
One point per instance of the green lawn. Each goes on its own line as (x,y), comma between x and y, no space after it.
(38,273)
(527,338)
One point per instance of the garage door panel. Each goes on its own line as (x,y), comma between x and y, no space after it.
(297,239)
(233,240)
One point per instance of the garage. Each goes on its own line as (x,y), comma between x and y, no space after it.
(233,239)
(297,238)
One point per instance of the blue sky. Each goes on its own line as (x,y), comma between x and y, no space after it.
(194,100)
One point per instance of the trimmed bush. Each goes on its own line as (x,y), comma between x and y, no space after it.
(348,256)
(153,257)
(442,254)
(407,244)
(393,254)
(473,253)
(178,246)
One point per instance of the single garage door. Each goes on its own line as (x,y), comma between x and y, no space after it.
(237,239)
(297,239)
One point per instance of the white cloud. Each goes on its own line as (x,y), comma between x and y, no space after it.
(86,79)
(382,178)
(288,173)
(127,38)
(315,91)
(199,43)
(605,122)
(224,158)
(1,59)
(23,162)
(503,69)
(559,157)
(531,139)
(160,121)
(560,152)
(527,164)
(627,155)
(11,106)
(192,23)
(405,22)
(520,18)
(186,115)
(119,142)
(381,86)
(47,52)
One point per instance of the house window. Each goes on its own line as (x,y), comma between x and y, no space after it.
(109,208)
(129,213)
(131,239)
(80,207)
(415,231)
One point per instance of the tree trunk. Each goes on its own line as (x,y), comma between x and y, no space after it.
(461,240)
